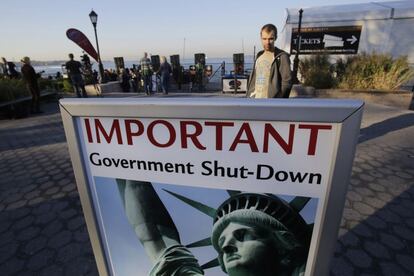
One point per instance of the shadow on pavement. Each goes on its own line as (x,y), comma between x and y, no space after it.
(381,244)
(46,238)
(389,125)
(35,135)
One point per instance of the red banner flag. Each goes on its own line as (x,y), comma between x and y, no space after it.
(79,38)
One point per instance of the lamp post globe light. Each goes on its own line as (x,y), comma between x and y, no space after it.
(94,19)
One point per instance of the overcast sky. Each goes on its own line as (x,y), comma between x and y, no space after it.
(128,28)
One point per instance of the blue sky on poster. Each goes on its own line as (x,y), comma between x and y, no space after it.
(128,28)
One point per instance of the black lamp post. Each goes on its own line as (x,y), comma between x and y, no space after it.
(298,41)
(94,19)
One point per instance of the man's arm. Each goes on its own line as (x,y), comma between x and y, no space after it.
(251,82)
(68,67)
(286,75)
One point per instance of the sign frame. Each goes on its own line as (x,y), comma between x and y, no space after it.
(347,113)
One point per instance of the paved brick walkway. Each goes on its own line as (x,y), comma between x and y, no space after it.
(377,228)
(43,232)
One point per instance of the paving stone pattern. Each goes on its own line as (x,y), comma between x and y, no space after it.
(42,228)
(43,231)
(377,229)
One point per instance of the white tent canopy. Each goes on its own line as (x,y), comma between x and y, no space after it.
(352,12)
(386,26)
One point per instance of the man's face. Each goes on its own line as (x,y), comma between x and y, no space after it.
(244,248)
(268,40)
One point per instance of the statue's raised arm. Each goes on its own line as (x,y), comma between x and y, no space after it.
(156,230)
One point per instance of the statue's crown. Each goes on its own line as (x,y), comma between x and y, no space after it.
(270,205)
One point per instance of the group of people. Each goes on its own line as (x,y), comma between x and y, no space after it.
(140,78)
(147,70)
(278,250)
(271,76)
(30,77)
(129,78)
(8,69)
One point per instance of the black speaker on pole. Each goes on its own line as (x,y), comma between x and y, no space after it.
(238,61)
(200,57)
(155,60)
(175,61)
(119,63)
(238,58)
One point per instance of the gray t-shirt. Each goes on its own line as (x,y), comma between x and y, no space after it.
(263,65)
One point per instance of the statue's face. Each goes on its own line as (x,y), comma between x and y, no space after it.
(245,248)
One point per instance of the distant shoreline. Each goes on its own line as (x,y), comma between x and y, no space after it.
(186,60)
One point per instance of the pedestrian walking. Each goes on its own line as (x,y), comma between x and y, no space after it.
(124,79)
(165,71)
(74,69)
(146,73)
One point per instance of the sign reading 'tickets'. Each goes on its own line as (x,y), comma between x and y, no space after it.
(339,40)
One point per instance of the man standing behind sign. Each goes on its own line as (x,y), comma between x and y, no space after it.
(146,72)
(271,76)
(30,77)
(74,71)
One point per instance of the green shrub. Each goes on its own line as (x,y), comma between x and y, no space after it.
(316,71)
(55,85)
(375,71)
(11,89)
(67,86)
(46,84)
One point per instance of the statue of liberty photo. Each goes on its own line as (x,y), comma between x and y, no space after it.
(252,233)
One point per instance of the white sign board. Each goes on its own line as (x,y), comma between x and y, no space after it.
(229,85)
(189,165)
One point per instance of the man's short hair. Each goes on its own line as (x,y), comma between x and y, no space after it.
(269,28)
(70,55)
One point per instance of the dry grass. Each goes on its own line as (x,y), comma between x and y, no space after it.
(375,71)
(364,71)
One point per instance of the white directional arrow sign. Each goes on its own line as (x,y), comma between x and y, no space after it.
(352,40)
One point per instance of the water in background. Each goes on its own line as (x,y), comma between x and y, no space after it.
(215,62)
